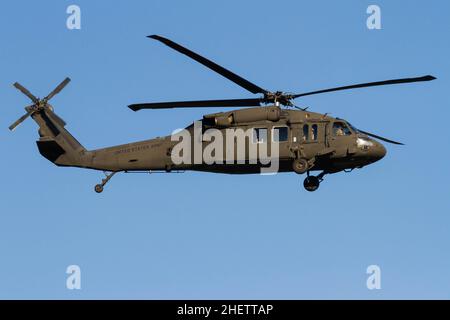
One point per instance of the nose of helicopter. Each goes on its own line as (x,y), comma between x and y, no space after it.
(377,152)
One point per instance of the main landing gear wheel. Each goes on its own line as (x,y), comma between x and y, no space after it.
(300,165)
(311,183)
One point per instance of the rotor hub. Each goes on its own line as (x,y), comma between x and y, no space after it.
(278,97)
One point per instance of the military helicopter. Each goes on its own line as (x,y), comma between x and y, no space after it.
(307,141)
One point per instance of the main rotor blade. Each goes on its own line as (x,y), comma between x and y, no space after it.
(253,88)
(26,92)
(370,84)
(57,89)
(197,104)
(20,120)
(381,138)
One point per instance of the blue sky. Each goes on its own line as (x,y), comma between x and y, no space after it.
(200,235)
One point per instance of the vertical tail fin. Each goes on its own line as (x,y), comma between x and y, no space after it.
(56,143)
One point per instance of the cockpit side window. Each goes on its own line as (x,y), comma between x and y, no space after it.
(341,129)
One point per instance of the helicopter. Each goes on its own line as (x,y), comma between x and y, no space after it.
(306,141)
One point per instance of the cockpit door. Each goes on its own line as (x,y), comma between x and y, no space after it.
(340,138)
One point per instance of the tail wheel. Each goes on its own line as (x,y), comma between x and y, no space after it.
(311,183)
(98,188)
(300,165)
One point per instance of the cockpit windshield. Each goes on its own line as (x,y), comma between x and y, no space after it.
(341,129)
(352,127)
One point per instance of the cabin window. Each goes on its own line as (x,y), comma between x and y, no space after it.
(280,134)
(305,132)
(259,135)
(314,132)
(341,129)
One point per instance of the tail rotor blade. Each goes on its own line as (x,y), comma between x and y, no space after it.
(20,120)
(381,138)
(26,92)
(57,89)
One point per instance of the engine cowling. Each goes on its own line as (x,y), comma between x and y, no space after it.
(226,119)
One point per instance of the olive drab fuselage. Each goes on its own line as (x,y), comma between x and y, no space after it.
(306,135)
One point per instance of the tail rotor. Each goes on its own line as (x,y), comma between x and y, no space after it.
(38,104)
